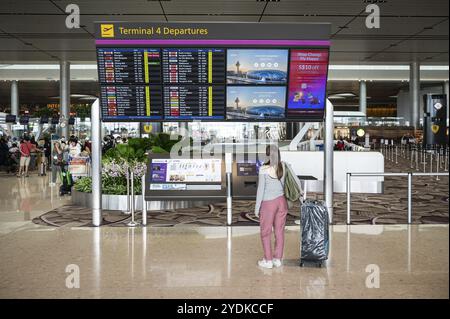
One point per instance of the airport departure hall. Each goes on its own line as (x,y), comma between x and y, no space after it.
(211,149)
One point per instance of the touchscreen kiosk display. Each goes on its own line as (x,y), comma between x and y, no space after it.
(186,170)
(248,168)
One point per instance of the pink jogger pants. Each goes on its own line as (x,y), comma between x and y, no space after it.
(273,214)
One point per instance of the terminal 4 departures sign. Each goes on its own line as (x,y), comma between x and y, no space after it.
(212,71)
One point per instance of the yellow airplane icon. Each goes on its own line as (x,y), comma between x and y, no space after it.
(107,30)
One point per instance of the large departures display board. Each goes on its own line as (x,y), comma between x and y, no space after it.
(168,76)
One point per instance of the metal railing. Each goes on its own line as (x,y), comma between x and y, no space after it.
(409,175)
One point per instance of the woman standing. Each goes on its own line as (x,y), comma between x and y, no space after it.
(272,207)
(25,153)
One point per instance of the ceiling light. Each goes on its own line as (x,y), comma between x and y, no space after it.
(336,97)
(346,94)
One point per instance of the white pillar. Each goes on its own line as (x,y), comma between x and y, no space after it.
(328,178)
(14,98)
(414,93)
(96,152)
(64,95)
(363,97)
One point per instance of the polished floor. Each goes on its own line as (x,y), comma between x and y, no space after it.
(206,262)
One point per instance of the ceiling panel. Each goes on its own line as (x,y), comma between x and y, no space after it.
(28,6)
(311,7)
(359,45)
(334,21)
(42,24)
(11,44)
(201,18)
(72,44)
(36,24)
(421,46)
(193,7)
(76,55)
(389,26)
(115,7)
(419,8)
(24,56)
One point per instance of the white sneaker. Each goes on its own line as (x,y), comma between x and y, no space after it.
(277,262)
(265,263)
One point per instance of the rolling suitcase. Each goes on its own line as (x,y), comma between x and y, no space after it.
(314,233)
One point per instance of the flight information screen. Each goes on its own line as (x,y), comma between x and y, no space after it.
(234,84)
(162,83)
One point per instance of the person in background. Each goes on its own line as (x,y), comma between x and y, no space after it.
(271,206)
(57,160)
(3,151)
(340,145)
(74,147)
(33,153)
(25,154)
(47,150)
(86,149)
(14,149)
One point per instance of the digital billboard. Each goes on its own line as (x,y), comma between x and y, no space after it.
(257,66)
(256,102)
(307,83)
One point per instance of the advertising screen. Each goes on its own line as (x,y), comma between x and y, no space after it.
(186,170)
(257,66)
(256,102)
(307,83)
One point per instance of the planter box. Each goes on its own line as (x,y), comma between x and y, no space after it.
(119,202)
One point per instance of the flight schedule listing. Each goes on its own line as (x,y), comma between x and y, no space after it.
(193,66)
(129,66)
(187,102)
(131,102)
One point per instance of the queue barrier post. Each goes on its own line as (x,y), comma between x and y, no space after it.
(132,223)
(349,176)
(409,198)
(127,175)
(144,202)
(437,165)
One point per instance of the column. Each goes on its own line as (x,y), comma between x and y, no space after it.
(14,102)
(96,171)
(363,97)
(414,93)
(328,178)
(446,92)
(14,98)
(64,95)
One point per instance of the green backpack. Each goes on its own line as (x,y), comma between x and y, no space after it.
(292,191)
